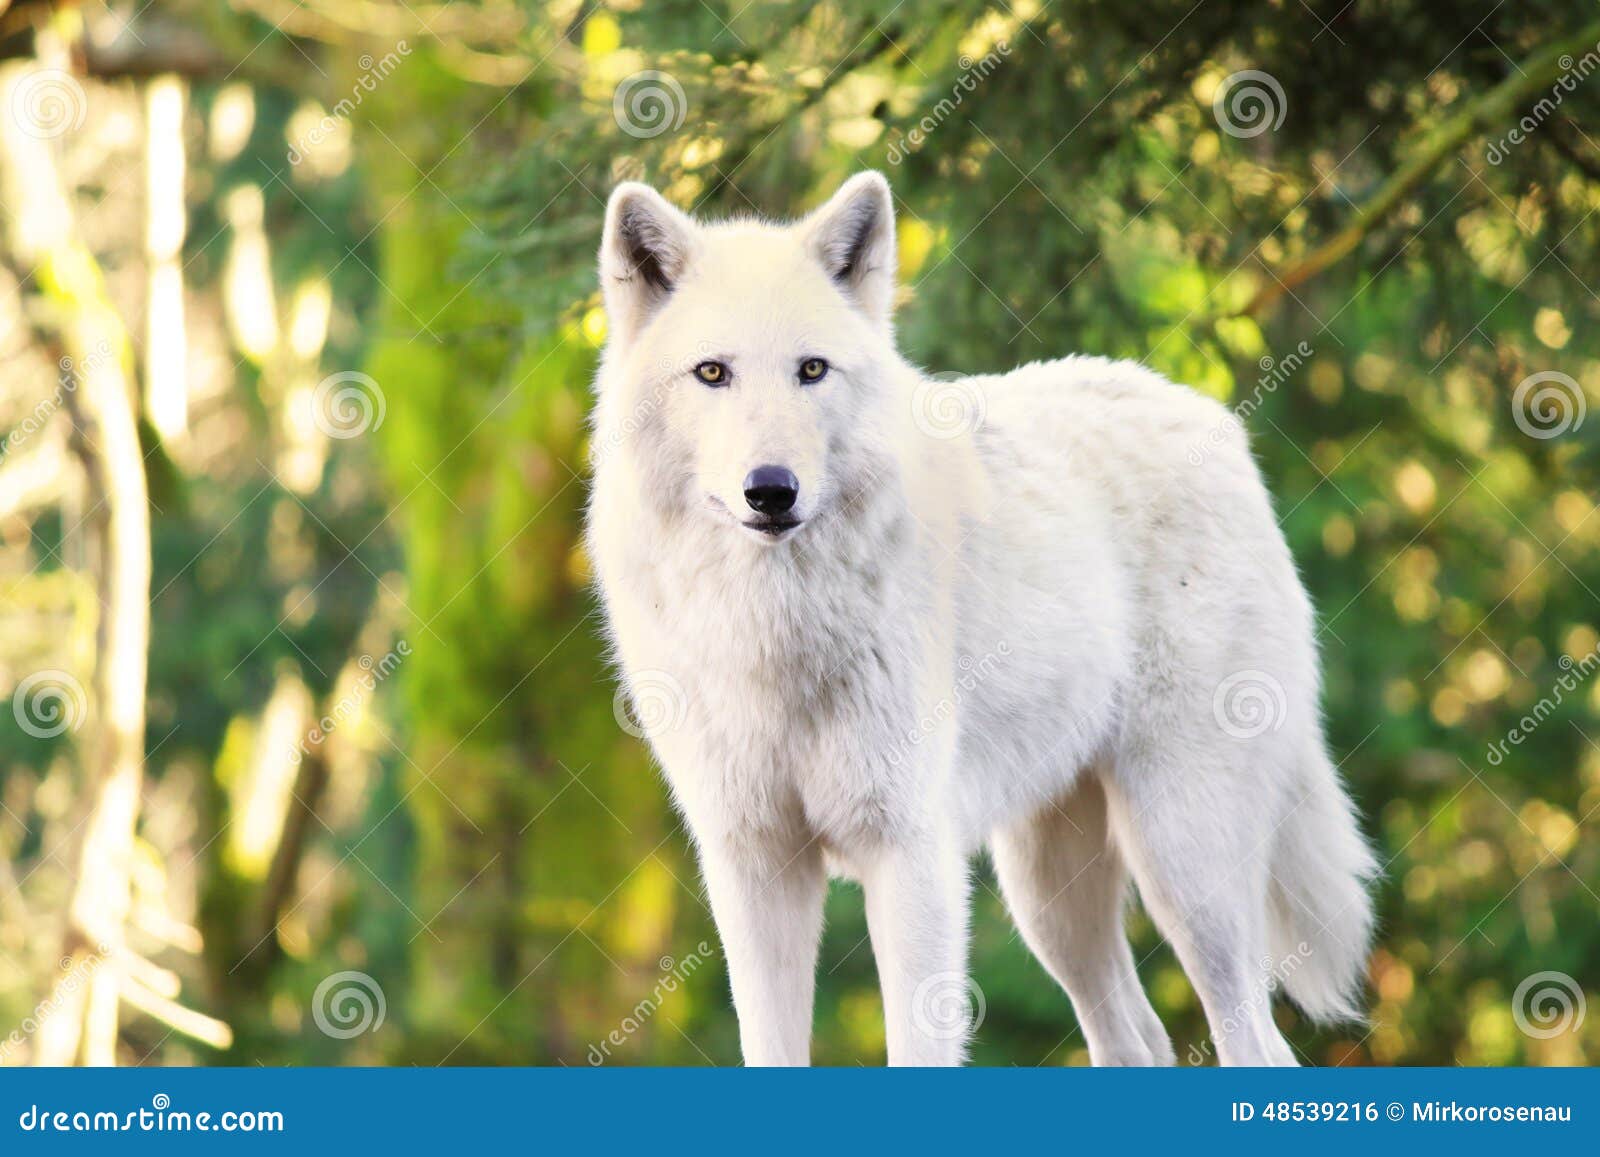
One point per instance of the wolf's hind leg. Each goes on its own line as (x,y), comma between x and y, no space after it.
(1199,846)
(1066,886)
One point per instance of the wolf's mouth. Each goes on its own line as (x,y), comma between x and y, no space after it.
(772,527)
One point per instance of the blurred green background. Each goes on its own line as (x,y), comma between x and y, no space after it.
(318,276)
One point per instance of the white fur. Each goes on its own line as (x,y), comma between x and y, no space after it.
(1037,631)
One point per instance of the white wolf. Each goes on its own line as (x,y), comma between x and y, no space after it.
(876,621)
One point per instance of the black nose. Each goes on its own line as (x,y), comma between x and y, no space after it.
(771,489)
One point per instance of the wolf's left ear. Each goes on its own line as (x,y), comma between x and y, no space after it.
(853,236)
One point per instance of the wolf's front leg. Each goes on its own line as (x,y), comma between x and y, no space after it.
(917,916)
(768,908)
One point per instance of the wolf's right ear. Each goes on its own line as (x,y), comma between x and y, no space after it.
(645,249)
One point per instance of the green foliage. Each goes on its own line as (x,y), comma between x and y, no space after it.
(508,866)
(1081,196)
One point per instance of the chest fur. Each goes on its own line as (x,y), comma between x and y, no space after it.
(802,672)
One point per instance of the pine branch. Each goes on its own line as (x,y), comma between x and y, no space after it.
(1495,107)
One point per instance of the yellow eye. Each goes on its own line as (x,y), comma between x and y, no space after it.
(813,370)
(712,373)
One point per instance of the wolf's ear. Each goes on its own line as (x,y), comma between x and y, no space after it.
(645,250)
(853,236)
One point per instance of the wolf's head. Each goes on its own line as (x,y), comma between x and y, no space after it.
(747,362)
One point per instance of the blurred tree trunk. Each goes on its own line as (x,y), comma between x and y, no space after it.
(115,748)
(112,741)
(99,971)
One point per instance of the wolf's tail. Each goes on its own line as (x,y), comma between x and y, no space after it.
(1320,917)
